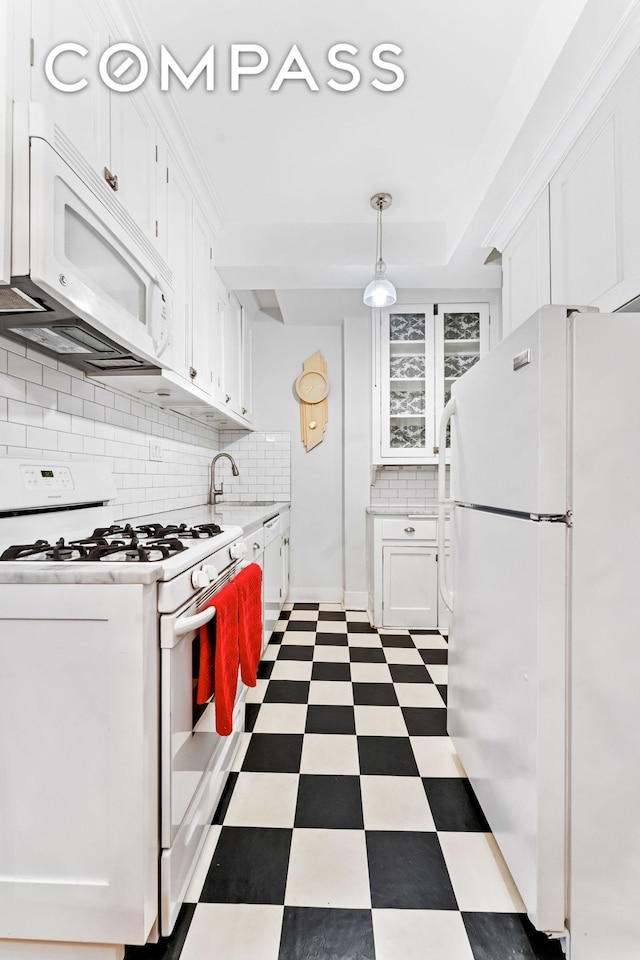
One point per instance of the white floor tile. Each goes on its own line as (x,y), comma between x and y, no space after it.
(287,606)
(332,626)
(293,670)
(234,931)
(331,692)
(242,749)
(400,655)
(328,868)
(418,695)
(301,638)
(479,875)
(416,934)
(360,616)
(303,615)
(256,694)
(331,754)
(374,721)
(435,756)
(365,640)
(271,653)
(263,800)
(438,672)
(370,673)
(430,641)
(331,654)
(395,803)
(396,632)
(332,606)
(202,866)
(281,625)
(281,718)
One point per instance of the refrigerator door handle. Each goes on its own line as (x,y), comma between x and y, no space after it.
(447,414)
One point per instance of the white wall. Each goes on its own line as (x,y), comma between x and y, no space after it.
(316,477)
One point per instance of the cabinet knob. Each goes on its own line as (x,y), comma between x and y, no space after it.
(409,529)
(436,451)
(286,541)
(227,397)
(111,179)
(256,546)
(244,410)
(193,373)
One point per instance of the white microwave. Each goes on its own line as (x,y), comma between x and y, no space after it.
(90,289)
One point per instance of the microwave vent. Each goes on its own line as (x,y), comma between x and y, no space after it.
(116,363)
(15,301)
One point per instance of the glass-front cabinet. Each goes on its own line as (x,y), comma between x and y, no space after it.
(420,351)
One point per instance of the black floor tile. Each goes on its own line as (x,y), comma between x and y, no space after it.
(330,719)
(332,615)
(251,711)
(366,655)
(265,668)
(386,757)
(225,798)
(409,673)
(330,671)
(249,865)
(303,625)
(425,721)
(397,640)
(273,753)
(434,655)
(425,633)
(442,690)
(167,948)
(329,803)
(407,871)
(454,804)
(331,639)
(276,636)
(306,606)
(294,651)
(494,936)
(321,933)
(375,694)
(284,614)
(359,626)
(287,691)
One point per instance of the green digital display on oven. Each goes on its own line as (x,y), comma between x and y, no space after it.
(46,473)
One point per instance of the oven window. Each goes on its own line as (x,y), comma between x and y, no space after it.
(197,709)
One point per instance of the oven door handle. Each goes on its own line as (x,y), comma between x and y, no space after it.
(185,624)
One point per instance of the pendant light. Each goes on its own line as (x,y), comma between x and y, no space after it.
(380,292)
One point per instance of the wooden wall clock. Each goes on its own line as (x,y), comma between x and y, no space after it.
(312,388)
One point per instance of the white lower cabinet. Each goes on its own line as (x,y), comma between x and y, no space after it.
(403,567)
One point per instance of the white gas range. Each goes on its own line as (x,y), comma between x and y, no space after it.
(110,772)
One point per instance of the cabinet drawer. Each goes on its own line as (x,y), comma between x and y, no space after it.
(406,528)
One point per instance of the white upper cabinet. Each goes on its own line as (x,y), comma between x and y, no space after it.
(595,205)
(233,370)
(5,144)
(420,350)
(526,267)
(175,246)
(204,313)
(134,157)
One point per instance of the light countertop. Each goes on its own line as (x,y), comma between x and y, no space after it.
(426,509)
(228,513)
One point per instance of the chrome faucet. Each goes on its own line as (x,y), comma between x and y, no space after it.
(215,492)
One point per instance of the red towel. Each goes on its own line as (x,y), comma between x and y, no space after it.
(219,656)
(249,584)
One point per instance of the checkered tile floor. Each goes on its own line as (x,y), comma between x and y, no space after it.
(348,828)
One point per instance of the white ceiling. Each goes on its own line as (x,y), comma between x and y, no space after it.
(293,171)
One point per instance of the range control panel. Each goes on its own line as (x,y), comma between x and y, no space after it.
(46,477)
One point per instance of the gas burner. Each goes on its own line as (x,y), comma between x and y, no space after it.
(22,551)
(114,530)
(64,551)
(199,531)
(133,551)
(206,530)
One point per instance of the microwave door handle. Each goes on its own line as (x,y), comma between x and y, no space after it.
(185,624)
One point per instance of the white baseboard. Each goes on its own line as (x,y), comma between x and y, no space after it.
(315,595)
(355,599)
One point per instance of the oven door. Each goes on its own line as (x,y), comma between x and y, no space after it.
(194,759)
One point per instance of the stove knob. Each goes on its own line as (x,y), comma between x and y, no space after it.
(200,579)
(238,550)
(211,571)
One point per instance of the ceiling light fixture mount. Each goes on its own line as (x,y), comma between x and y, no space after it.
(380,292)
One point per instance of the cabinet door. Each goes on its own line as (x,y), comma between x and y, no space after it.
(246,397)
(406,383)
(461,338)
(526,267)
(5,145)
(231,372)
(444,614)
(285,568)
(409,587)
(83,116)
(134,155)
(595,205)
(203,307)
(177,237)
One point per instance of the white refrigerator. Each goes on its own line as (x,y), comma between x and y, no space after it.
(544,662)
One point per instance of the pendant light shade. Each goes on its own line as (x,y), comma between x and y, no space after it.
(380,292)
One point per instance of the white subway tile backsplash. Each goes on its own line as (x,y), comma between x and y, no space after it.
(44,439)
(69,404)
(3,361)
(404,486)
(83,389)
(4,406)
(264,461)
(19,412)
(43,396)
(12,387)
(12,347)
(93,411)
(24,368)
(14,434)
(70,442)
(56,380)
